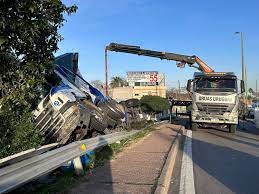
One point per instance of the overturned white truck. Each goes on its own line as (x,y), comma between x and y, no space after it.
(215,99)
(72,108)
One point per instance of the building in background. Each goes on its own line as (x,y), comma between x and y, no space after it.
(141,83)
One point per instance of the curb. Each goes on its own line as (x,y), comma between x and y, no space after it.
(167,171)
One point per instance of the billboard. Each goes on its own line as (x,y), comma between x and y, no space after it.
(142,76)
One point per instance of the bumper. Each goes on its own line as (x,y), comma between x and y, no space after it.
(229,118)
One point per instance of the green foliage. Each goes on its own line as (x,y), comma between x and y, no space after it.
(118,82)
(249,97)
(154,104)
(189,108)
(28,38)
(251,91)
(17,133)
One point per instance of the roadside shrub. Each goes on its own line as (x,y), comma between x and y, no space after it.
(154,104)
(17,133)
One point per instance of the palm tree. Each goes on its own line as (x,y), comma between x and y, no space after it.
(251,91)
(118,82)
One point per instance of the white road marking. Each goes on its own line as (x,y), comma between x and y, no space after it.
(187,178)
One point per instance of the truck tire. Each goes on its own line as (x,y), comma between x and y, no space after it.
(111,122)
(120,108)
(232,128)
(98,123)
(111,110)
(194,126)
(117,107)
(98,120)
(132,103)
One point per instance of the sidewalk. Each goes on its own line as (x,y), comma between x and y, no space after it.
(136,169)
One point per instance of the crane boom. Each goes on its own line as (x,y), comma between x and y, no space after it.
(180,59)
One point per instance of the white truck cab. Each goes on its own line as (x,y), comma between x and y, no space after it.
(215,99)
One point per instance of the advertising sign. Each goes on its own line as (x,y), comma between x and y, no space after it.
(143,76)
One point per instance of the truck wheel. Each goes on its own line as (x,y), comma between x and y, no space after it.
(117,107)
(111,110)
(132,103)
(194,126)
(98,121)
(111,122)
(232,128)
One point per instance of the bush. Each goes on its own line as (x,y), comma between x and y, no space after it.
(154,104)
(17,133)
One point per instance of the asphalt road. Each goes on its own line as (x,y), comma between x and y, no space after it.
(222,162)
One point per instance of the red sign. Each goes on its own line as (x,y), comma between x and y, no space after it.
(153,78)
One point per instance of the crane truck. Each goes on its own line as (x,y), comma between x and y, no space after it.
(215,95)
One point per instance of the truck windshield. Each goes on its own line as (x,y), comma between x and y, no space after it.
(213,84)
(52,80)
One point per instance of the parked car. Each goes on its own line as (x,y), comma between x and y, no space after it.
(251,110)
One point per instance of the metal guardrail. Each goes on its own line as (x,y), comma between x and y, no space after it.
(24,171)
(26,154)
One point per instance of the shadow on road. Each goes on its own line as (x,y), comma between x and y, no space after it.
(235,139)
(236,170)
(248,127)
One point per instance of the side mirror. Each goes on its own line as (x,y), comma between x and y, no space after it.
(242,86)
(189,85)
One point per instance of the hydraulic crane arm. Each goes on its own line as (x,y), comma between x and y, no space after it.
(180,59)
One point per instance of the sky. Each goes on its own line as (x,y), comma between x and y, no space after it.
(201,27)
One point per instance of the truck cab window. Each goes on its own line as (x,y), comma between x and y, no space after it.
(208,84)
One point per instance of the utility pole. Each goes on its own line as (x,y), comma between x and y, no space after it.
(243,61)
(243,68)
(106,72)
(179,87)
(243,64)
(256,96)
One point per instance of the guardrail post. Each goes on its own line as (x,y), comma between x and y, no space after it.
(78,166)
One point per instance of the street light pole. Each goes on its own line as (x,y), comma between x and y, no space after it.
(243,57)
(256,92)
(106,72)
(243,64)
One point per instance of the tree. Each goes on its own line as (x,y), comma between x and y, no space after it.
(154,104)
(28,38)
(251,91)
(98,84)
(118,82)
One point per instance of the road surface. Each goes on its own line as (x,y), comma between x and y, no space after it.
(221,162)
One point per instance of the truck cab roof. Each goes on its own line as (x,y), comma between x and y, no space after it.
(226,75)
